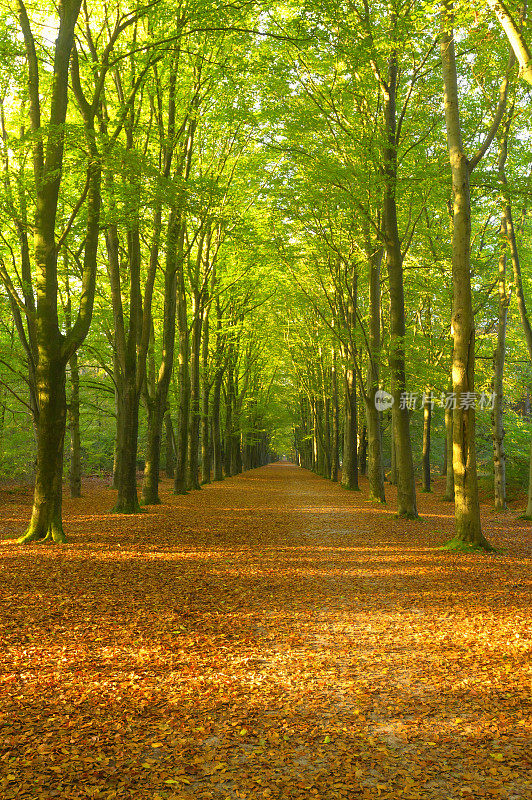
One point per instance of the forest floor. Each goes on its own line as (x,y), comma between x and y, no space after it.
(272,636)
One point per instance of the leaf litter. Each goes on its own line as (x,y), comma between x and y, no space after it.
(271,636)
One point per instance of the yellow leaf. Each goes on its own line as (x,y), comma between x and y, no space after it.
(497,756)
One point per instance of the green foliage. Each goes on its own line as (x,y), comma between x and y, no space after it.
(287,171)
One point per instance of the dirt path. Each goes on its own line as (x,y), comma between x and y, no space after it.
(272,636)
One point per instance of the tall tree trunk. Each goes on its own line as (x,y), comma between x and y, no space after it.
(350,460)
(327,433)
(127,378)
(393,455)
(157,403)
(321,456)
(499,455)
(467,510)
(183,393)
(127,498)
(509,232)
(205,420)
(228,433)
(46,518)
(53,347)
(427,417)
(449,473)
(373,417)
(335,420)
(363,450)
(406,487)
(174,264)
(523,313)
(170,446)
(74,475)
(195,399)
(236,451)
(216,426)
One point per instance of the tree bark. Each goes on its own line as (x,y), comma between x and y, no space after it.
(183,406)
(170,447)
(449,472)
(195,399)
(53,348)
(46,518)
(228,433)
(335,420)
(74,474)
(509,232)
(406,487)
(205,420)
(427,417)
(350,460)
(216,426)
(468,533)
(373,418)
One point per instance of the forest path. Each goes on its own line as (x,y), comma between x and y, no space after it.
(272,636)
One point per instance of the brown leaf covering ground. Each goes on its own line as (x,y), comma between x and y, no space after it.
(272,636)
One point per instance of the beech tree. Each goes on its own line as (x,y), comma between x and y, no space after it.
(35,303)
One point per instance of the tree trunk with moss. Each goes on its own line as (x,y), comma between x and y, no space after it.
(53,349)
(468,533)
(46,518)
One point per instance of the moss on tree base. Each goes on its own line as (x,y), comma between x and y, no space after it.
(457,545)
(54,534)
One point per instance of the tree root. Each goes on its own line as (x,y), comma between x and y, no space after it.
(54,534)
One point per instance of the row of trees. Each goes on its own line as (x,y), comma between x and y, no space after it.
(224,222)
(376,134)
(119,195)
